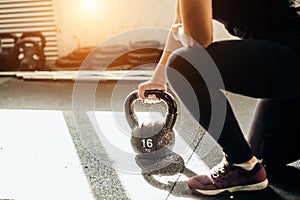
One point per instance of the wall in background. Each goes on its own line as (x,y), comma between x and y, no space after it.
(89,22)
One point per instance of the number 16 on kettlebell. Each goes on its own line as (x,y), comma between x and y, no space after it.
(155,137)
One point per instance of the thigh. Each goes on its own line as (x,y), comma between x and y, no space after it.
(257,68)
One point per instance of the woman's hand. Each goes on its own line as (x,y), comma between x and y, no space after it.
(150,85)
(157,82)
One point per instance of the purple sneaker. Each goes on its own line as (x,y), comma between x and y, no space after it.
(227,177)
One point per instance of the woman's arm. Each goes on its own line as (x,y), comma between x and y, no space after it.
(195,17)
(159,80)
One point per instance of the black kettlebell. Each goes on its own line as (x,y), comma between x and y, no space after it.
(155,139)
(29,55)
(29,51)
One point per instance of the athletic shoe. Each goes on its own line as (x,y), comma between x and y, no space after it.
(227,177)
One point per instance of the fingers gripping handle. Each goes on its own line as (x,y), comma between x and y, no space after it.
(167,98)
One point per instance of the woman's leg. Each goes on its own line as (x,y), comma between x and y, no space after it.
(274,132)
(254,68)
(184,80)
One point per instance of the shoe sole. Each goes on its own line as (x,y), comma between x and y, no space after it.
(253,187)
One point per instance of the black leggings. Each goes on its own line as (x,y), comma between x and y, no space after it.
(256,68)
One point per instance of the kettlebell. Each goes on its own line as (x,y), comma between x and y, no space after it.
(155,139)
(29,51)
(29,55)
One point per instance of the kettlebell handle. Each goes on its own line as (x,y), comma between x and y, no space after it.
(166,97)
(35,34)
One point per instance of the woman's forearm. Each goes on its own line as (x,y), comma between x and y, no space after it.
(172,44)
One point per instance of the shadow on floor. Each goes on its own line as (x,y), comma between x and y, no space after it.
(285,181)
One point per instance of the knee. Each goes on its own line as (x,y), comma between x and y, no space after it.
(175,60)
(178,62)
(177,57)
(196,66)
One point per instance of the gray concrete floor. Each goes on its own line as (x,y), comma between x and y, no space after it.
(75,99)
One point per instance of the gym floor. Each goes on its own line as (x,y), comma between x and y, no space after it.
(68,140)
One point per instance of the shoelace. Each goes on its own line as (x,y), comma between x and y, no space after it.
(220,168)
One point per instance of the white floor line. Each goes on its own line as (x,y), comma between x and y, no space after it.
(114,133)
(38,158)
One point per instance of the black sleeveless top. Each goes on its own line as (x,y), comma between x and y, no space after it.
(277,20)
